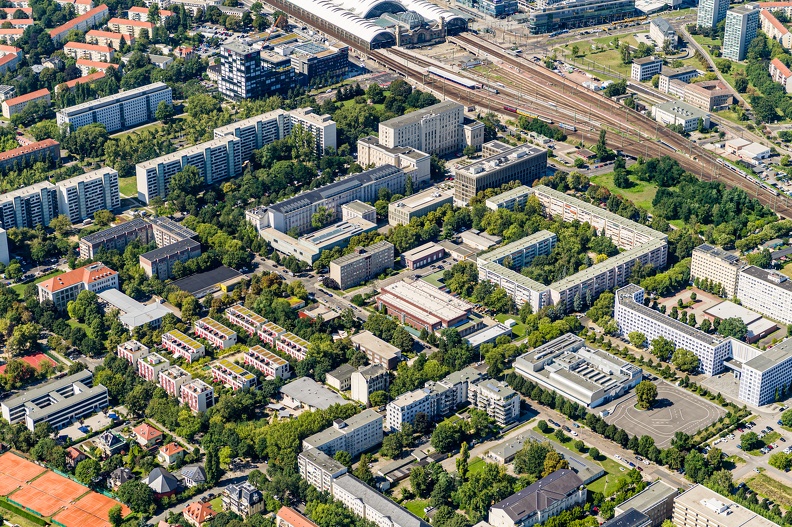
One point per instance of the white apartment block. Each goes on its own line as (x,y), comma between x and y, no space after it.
(30,206)
(358,209)
(766,374)
(191,6)
(120,111)
(438,129)
(370,505)
(417,205)
(774,29)
(133,28)
(645,68)
(94,52)
(197,395)
(149,366)
(710,12)
(369,379)
(632,315)
(215,160)
(245,318)
(81,196)
(268,363)
(497,399)
(292,345)
(295,212)
(511,199)
(88,20)
(717,265)
(701,507)
(131,351)
(780,73)
(355,435)
(182,346)
(319,469)
(172,379)
(415,162)
(270,333)
(232,376)
(767,292)
(261,130)
(742,23)
(64,288)
(216,333)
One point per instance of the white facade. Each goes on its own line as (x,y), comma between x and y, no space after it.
(645,68)
(742,23)
(371,152)
(767,292)
(355,435)
(710,12)
(497,399)
(367,380)
(81,196)
(678,113)
(370,505)
(716,265)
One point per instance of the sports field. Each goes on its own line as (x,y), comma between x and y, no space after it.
(34,359)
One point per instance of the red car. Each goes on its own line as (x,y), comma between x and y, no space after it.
(639,469)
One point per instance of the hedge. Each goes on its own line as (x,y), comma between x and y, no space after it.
(23,513)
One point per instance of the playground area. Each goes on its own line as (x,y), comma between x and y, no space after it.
(49,495)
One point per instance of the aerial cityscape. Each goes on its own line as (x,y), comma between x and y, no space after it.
(395,263)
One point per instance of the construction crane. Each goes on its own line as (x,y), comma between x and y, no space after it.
(276,24)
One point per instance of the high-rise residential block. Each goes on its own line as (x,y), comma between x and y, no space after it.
(717,266)
(710,12)
(742,23)
(361,265)
(81,196)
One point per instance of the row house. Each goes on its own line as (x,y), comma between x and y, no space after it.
(232,376)
(172,379)
(270,332)
(245,318)
(150,365)
(217,334)
(197,395)
(131,351)
(268,363)
(292,345)
(181,345)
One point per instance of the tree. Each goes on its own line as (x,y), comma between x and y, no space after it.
(212,465)
(137,495)
(61,224)
(392,446)
(781,461)
(114,514)
(575,50)
(164,111)
(323,216)
(87,470)
(103,217)
(24,338)
(594,453)
(462,461)
(733,327)
(786,418)
(378,398)
(343,457)
(637,339)
(685,360)
(363,471)
(601,148)
(554,461)
(201,105)
(750,441)
(662,348)
(446,437)
(646,393)
(621,179)
(187,182)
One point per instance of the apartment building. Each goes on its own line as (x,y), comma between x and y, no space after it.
(172,379)
(115,238)
(270,333)
(548,497)
(656,501)
(415,162)
(766,376)
(243,499)
(358,209)
(661,31)
(120,111)
(245,318)
(232,376)
(340,378)
(497,399)
(267,363)
(683,74)
(161,261)
(718,266)
(94,52)
(701,507)
(780,73)
(132,28)
(131,351)
(319,469)
(742,23)
(87,67)
(11,35)
(10,57)
(370,505)
(645,68)
(354,435)
(216,333)
(435,399)
(166,231)
(288,517)
(292,345)
(677,113)
(295,212)
(513,199)
(368,379)
(215,160)
(502,164)
(774,29)
(587,376)
(183,346)
(30,206)
(80,6)
(191,6)
(710,12)
(81,196)
(418,205)
(362,265)
(261,130)
(197,395)
(15,105)
(377,350)
(84,22)
(142,14)
(47,150)
(149,366)
(64,288)
(108,38)
(438,129)
(632,315)
(58,403)
(765,291)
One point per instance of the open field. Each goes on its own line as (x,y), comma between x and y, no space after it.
(608,483)
(127,186)
(475,465)
(772,489)
(417,507)
(641,193)
(518,329)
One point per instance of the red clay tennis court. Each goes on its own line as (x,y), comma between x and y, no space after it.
(17,468)
(90,511)
(34,359)
(36,500)
(62,488)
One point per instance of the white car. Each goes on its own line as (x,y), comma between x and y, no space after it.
(573,433)
(645,462)
(617,456)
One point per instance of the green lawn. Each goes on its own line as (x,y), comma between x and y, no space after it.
(127,186)
(607,484)
(518,329)
(475,465)
(19,288)
(641,193)
(772,489)
(417,507)
(75,324)
(217,504)
(737,460)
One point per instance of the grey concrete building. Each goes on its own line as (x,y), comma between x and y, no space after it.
(362,265)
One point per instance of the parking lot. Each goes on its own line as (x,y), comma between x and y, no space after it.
(675,411)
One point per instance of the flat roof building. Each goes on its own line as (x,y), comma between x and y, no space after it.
(82,196)
(308,248)
(416,163)
(232,376)
(511,199)
(718,266)
(115,238)
(422,305)
(645,68)
(677,113)
(354,435)
(132,313)
(418,205)
(656,501)
(319,469)
(629,518)
(358,209)
(765,291)
(423,255)
(377,350)
(362,265)
(307,392)
(701,507)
